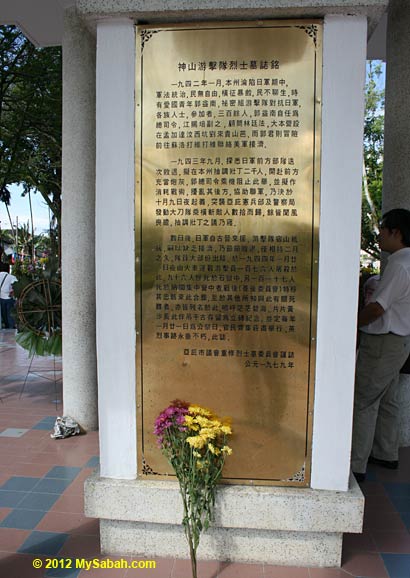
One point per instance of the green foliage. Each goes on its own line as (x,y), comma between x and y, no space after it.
(38,292)
(25,243)
(30,118)
(38,344)
(373,152)
(6,237)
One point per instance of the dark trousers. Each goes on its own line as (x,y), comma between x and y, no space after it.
(7,306)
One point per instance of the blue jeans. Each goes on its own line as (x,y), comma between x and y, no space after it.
(7,305)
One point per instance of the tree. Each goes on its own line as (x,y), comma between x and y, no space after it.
(372,160)
(30,119)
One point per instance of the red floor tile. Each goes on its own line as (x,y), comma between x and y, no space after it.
(285,572)
(392,542)
(235,570)
(20,566)
(90,526)
(365,565)
(61,522)
(30,470)
(183,569)
(76,488)
(379,502)
(4,512)
(73,503)
(382,520)
(5,474)
(55,459)
(79,546)
(359,542)
(328,573)
(11,539)
(8,459)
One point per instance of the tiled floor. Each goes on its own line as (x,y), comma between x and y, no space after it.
(41,497)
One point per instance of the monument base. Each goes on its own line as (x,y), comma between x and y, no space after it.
(261,524)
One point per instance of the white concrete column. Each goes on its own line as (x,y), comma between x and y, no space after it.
(115,252)
(78,223)
(396,173)
(344,59)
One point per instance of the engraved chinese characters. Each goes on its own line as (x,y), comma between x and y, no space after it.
(227,205)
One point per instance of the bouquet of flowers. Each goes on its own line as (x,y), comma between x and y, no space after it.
(193,440)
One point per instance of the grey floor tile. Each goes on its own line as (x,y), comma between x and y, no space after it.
(13,432)
(93,462)
(398,565)
(51,486)
(63,472)
(9,499)
(22,519)
(38,501)
(20,484)
(46,543)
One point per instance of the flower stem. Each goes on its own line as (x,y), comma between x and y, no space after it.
(193,558)
(188,530)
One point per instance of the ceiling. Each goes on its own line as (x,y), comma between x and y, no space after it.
(42,22)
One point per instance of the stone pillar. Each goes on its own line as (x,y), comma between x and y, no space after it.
(78,223)
(396,176)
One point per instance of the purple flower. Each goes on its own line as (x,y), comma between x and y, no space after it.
(171,417)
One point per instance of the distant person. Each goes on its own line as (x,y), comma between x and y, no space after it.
(384,325)
(6,295)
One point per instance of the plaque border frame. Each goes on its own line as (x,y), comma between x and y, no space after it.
(302,477)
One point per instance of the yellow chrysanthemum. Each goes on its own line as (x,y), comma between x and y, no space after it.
(207,433)
(215,423)
(198,410)
(202,421)
(226,450)
(190,422)
(196,442)
(226,429)
(214,450)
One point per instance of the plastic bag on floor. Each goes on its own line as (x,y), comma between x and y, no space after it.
(65,427)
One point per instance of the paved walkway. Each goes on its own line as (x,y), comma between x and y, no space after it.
(41,496)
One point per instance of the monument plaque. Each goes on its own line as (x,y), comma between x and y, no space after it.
(227,205)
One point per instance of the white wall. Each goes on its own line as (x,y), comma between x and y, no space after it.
(343,84)
(115,278)
(344,59)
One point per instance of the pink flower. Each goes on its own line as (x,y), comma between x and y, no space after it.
(171,417)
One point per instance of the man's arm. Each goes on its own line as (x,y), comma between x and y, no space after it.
(370,313)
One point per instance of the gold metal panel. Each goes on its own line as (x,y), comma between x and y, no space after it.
(227,173)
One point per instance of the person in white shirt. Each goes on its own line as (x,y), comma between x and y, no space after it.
(384,325)
(6,295)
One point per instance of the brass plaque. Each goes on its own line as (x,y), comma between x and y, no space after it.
(227,204)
